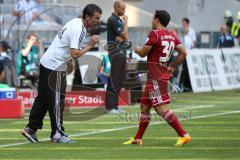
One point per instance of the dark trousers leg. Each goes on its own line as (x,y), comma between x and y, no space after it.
(39,108)
(51,97)
(57,86)
(117,76)
(185,80)
(62,100)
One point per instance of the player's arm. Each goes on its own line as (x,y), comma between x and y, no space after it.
(75,53)
(151,41)
(143,51)
(180,58)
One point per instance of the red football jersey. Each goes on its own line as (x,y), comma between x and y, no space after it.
(163,43)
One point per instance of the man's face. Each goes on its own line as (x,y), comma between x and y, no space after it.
(33,39)
(121,9)
(224,30)
(94,20)
(184,24)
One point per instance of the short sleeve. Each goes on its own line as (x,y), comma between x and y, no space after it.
(115,26)
(152,39)
(76,37)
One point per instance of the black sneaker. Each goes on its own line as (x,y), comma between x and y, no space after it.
(62,139)
(30,134)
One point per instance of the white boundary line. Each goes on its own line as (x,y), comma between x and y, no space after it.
(197,107)
(122,128)
(190,107)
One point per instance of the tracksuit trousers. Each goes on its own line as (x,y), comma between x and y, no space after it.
(117,76)
(51,98)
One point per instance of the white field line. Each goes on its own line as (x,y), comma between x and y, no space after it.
(178,107)
(197,107)
(122,128)
(191,107)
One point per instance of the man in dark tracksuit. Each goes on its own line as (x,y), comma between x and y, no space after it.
(52,79)
(117,34)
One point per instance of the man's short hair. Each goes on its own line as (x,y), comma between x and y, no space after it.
(90,9)
(163,16)
(186,20)
(5,45)
(32,35)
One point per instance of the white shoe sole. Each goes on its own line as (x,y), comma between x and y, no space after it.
(28,136)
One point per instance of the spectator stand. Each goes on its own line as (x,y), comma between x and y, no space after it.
(15,33)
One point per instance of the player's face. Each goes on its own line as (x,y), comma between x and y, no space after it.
(94,20)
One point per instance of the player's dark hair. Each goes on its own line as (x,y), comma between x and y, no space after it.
(163,16)
(186,20)
(90,9)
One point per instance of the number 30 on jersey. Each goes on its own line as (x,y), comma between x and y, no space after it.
(168,49)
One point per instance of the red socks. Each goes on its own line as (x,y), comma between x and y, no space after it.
(168,116)
(143,124)
(172,120)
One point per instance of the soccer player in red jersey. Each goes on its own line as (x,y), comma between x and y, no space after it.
(158,48)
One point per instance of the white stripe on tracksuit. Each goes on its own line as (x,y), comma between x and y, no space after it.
(57,102)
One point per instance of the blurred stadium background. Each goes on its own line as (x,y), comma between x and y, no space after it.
(205,93)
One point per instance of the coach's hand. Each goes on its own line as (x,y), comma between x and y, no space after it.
(76,53)
(94,40)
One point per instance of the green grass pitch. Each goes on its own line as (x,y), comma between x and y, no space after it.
(213,120)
